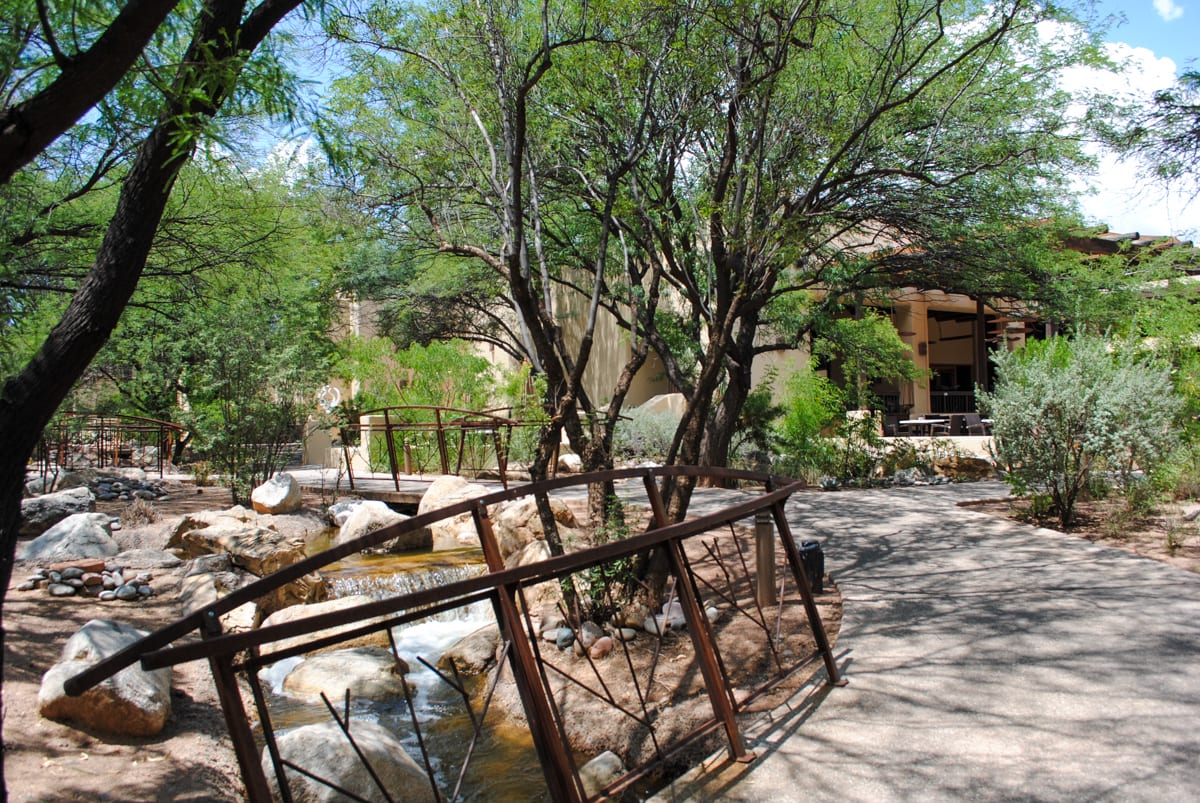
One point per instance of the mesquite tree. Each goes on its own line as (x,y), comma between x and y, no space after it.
(224,35)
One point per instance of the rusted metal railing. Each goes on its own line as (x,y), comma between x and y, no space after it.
(107,439)
(406,430)
(711,567)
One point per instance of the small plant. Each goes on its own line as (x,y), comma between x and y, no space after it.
(137,513)
(202,474)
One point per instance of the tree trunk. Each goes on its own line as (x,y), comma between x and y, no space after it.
(29,399)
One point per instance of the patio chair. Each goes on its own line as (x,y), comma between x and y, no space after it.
(975,425)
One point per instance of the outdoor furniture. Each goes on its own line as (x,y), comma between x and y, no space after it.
(923,426)
(891,424)
(976,425)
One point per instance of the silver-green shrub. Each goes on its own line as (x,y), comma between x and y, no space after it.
(1064,410)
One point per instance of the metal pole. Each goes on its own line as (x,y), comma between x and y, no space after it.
(764,552)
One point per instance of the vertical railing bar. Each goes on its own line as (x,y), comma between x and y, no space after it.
(708,628)
(264,719)
(810,605)
(719,693)
(234,710)
(561,778)
(362,757)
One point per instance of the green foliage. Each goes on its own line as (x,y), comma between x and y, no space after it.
(812,405)
(524,392)
(1065,410)
(870,351)
(250,395)
(441,374)
(641,435)
(756,423)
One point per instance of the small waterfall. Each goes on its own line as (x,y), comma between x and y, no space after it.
(387,576)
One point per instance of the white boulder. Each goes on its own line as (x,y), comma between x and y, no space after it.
(42,512)
(367,672)
(133,702)
(280,494)
(81,535)
(324,751)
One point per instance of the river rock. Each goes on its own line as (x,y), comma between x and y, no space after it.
(42,512)
(323,750)
(373,515)
(458,531)
(601,647)
(258,550)
(588,633)
(475,653)
(600,772)
(368,672)
(517,523)
(133,702)
(297,612)
(81,535)
(280,494)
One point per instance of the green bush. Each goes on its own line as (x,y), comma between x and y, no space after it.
(642,435)
(812,406)
(1065,410)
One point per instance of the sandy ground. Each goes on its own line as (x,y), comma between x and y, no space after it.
(191,760)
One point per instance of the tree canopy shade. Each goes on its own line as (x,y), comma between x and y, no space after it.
(48,89)
(737,156)
(1166,134)
(223,36)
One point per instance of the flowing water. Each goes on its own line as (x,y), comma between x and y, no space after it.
(504,765)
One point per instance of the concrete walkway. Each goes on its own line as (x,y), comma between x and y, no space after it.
(987,660)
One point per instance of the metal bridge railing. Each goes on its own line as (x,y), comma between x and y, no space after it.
(767,627)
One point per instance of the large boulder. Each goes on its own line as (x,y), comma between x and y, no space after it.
(517,524)
(369,516)
(280,494)
(211,577)
(323,750)
(297,612)
(366,672)
(458,531)
(82,535)
(258,550)
(133,702)
(42,512)
(964,467)
(475,653)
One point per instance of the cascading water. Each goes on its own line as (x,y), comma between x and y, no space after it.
(504,758)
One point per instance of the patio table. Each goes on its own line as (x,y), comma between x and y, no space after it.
(923,425)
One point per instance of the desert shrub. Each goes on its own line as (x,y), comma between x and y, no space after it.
(644,435)
(1065,410)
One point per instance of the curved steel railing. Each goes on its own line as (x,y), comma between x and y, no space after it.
(702,559)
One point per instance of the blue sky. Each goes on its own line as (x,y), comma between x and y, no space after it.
(1170,28)
(1158,40)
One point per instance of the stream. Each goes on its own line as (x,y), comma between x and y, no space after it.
(504,765)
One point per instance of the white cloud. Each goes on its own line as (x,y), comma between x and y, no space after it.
(1118,194)
(1168,10)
